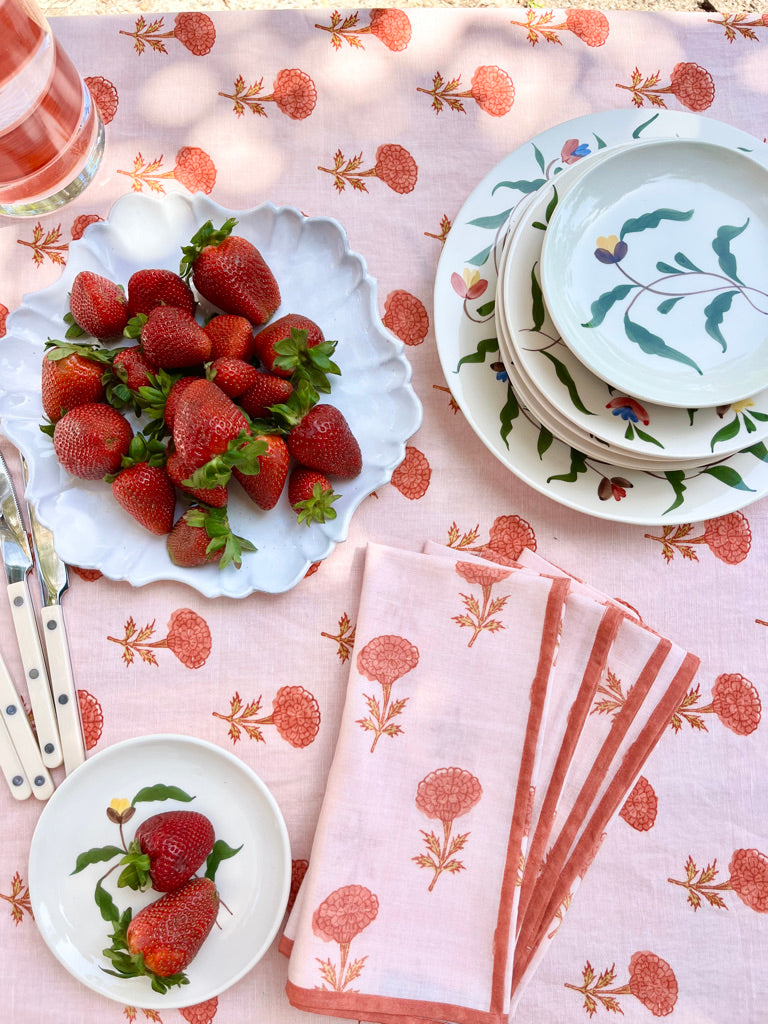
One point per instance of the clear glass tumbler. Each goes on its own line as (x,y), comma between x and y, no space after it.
(51,133)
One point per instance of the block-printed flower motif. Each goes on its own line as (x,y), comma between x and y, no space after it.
(445,794)
(340,918)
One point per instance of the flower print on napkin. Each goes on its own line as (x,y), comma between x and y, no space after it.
(728,537)
(491,88)
(690,84)
(591,27)
(188,637)
(295,714)
(445,794)
(651,980)
(340,918)
(385,659)
(479,615)
(194,30)
(390,26)
(748,878)
(193,169)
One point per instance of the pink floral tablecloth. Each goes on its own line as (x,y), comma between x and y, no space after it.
(387,121)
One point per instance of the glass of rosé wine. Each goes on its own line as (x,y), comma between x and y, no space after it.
(51,133)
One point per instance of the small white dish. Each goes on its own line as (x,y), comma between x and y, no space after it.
(254,883)
(320,277)
(652,271)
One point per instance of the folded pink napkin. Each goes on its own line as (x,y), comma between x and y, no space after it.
(466,753)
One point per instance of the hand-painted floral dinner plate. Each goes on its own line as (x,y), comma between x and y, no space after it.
(652,272)
(320,277)
(143,774)
(465,289)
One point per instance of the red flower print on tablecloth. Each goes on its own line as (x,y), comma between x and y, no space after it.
(508,537)
(445,794)
(299,868)
(390,26)
(340,918)
(728,537)
(92,718)
(385,659)
(46,243)
(193,169)
(743,25)
(200,1013)
(394,166)
(735,701)
(479,617)
(590,26)
(293,93)
(640,807)
(491,89)
(90,575)
(194,30)
(413,474)
(18,899)
(295,715)
(453,405)
(188,637)
(406,316)
(651,980)
(690,84)
(3,319)
(81,222)
(445,227)
(345,638)
(104,96)
(748,878)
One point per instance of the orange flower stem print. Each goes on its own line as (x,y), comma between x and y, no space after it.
(651,980)
(293,93)
(188,638)
(295,715)
(690,84)
(739,24)
(748,878)
(340,918)
(46,244)
(345,638)
(480,617)
(193,169)
(735,701)
(18,898)
(390,26)
(385,659)
(508,537)
(590,26)
(445,794)
(445,227)
(194,30)
(394,166)
(491,89)
(728,537)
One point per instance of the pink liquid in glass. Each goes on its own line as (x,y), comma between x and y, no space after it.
(48,123)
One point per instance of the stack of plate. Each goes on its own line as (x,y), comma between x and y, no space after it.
(632,304)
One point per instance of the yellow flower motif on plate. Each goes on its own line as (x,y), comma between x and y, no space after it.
(745,403)
(119,804)
(608,243)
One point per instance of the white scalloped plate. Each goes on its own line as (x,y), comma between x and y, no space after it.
(254,883)
(319,276)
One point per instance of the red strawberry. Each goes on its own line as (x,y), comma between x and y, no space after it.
(163,938)
(150,288)
(265,487)
(311,495)
(176,843)
(133,367)
(217,497)
(322,439)
(203,535)
(147,493)
(210,434)
(265,391)
(173,339)
(91,440)
(280,330)
(171,402)
(233,376)
(230,272)
(230,336)
(71,375)
(97,306)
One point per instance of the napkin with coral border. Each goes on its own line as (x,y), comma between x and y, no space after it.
(406,910)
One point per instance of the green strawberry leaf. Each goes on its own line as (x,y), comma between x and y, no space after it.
(221,851)
(134,326)
(96,855)
(135,874)
(205,236)
(318,508)
(242,453)
(74,330)
(161,792)
(106,904)
(55,349)
(216,525)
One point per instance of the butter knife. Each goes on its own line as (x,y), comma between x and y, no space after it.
(11,767)
(16,724)
(54,581)
(17,560)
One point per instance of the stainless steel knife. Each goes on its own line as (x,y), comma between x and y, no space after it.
(17,560)
(54,580)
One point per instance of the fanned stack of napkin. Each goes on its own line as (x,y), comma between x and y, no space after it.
(474,777)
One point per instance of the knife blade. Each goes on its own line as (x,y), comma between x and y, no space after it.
(54,581)
(17,561)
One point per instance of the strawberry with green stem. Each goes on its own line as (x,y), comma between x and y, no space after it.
(142,486)
(311,495)
(202,535)
(295,347)
(97,306)
(72,374)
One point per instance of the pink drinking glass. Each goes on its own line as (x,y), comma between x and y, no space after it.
(51,134)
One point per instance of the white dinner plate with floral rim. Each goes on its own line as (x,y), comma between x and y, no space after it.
(318,276)
(652,271)
(153,774)
(565,384)
(465,288)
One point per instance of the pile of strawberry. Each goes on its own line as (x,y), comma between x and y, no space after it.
(167,851)
(233,398)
